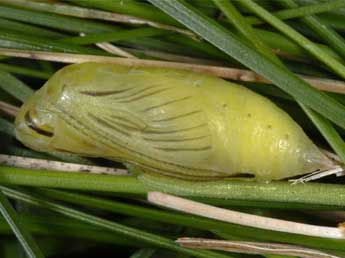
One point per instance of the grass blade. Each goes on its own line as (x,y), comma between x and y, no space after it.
(14,87)
(301,11)
(44,44)
(24,237)
(184,220)
(106,224)
(144,253)
(29,29)
(326,33)
(86,13)
(115,36)
(244,28)
(16,69)
(231,45)
(6,127)
(214,191)
(328,131)
(69,24)
(129,7)
(313,49)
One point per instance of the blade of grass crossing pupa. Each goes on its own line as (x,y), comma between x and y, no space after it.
(28,243)
(231,45)
(328,131)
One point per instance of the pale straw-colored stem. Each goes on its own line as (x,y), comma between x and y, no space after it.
(336,170)
(112,49)
(8,108)
(252,247)
(224,72)
(41,164)
(245,219)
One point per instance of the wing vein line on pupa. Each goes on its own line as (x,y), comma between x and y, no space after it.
(83,128)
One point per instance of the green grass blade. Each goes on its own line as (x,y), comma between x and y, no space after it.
(56,226)
(275,192)
(14,87)
(133,233)
(328,131)
(144,253)
(130,7)
(29,29)
(69,24)
(6,127)
(21,70)
(245,28)
(230,44)
(333,20)
(296,12)
(116,36)
(326,33)
(47,44)
(281,42)
(308,45)
(31,248)
(185,220)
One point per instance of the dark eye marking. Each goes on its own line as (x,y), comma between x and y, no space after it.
(31,124)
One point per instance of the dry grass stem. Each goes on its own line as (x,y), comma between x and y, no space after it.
(252,247)
(9,109)
(41,164)
(112,49)
(245,219)
(337,170)
(224,72)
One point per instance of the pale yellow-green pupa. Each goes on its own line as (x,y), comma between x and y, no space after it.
(171,122)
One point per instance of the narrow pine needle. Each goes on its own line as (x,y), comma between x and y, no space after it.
(29,72)
(326,33)
(28,243)
(111,226)
(304,42)
(14,86)
(301,11)
(144,253)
